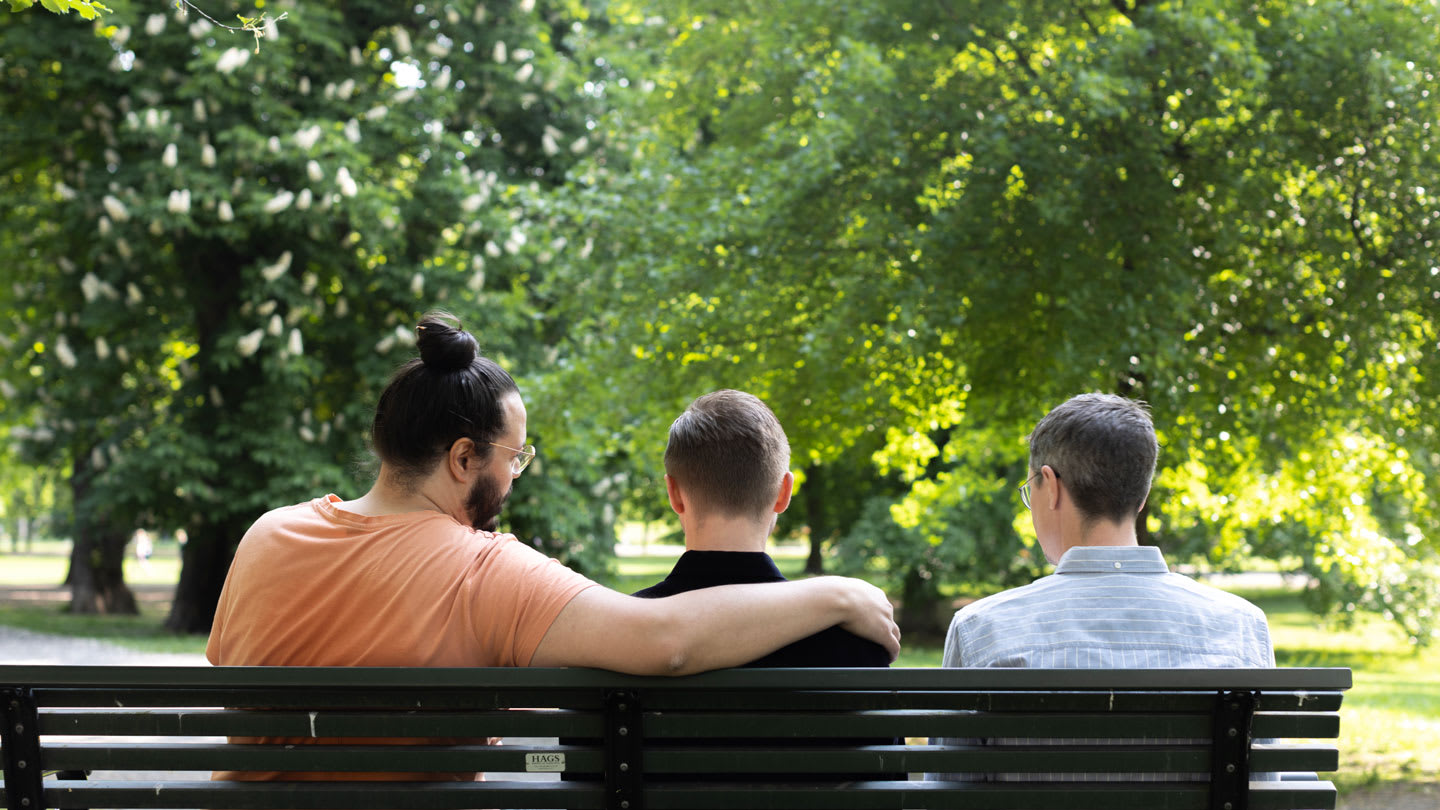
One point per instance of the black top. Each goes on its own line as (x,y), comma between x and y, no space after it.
(831,647)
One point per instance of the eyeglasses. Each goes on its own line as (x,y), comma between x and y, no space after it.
(522,458)
(1025,488)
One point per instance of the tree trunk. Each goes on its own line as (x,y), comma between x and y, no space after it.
(816,518)
(204,562)
(97,555)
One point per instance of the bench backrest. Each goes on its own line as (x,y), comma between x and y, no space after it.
(151,735)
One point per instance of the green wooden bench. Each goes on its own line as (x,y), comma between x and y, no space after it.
(62,722)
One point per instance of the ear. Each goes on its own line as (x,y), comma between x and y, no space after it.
(1052,486)
(787,488)
(463,461)
(677,498)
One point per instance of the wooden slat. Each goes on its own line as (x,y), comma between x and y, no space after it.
(925,724)
(500,678)
(980,701)
(342,758)
(687,796)
(220,722)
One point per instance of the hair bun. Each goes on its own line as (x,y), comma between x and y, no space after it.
(444,346)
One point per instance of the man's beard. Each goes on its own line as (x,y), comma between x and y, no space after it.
(484,503)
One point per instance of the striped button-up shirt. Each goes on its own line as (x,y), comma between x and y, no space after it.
(1108,607)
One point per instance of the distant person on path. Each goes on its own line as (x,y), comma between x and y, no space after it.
(1111,602)
(412,573)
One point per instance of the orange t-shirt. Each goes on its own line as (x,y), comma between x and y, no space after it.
(314,585)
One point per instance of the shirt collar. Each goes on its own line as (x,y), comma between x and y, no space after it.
(725,567)
(1109,559)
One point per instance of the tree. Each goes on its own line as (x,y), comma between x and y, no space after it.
(940,219)
(222,251)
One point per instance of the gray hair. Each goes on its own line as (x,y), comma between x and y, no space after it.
(1103,447)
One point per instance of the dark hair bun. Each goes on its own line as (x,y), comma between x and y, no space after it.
(444,346)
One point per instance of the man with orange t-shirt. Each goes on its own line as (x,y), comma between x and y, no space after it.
(412,573)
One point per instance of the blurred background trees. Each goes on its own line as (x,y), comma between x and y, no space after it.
(910,227)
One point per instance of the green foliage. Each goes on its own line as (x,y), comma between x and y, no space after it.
(913,219)
(88,9)
(219,254)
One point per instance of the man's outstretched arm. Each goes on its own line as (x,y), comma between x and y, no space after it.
(710,628)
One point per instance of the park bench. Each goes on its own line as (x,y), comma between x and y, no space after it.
(1215,729)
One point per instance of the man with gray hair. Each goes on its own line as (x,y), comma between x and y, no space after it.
(1111,602)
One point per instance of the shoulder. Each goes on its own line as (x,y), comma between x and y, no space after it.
(1212,598)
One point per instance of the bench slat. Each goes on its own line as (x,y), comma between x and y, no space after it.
(221,722)
(680,796)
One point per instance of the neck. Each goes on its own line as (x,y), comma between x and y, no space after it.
(1097,533)
(722,533)
(387,496)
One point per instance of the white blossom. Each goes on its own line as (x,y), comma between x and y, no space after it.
(63,353)
(65,265)
(155,24)
(376,113)
(102,349)
(64,191)
(279,202)
(207,156)
(104,224)
(417,285)
(480,13)
(200,28)
(115,208)
(527,6)
(272,30)
(303,199)
(346,182)
(121,354)
(232,59)
(502,55)
(472,203)
(356,58)
(313,170)
(179,202)
(215,398)
(97,459)
(589,246)
(404,335)
(278,269)
(385,344)
(304,85)
(345,89)
(307,137)
(441,81)
(152,118)
(157,228)
(266,308)
(548,145)
(121,36)
(438,49)
(198,110)
(403,96)
(171,157)
(225,212)
(123,248)
(132,293)
(477,281)
(90,287)
(492,250)
(342,308)
(402,41)
(276,325)
(306,433)
(296,346)
(525,72)
(273,144)
(452,16)
(580,145)
(249,343)
(8,391)
(307,286)
(352,131)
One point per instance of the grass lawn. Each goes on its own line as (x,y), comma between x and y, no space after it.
(1390,728)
